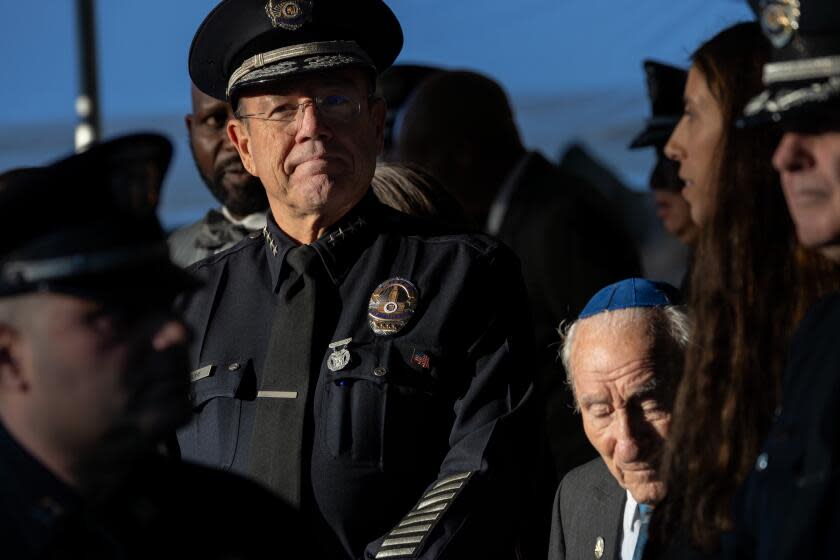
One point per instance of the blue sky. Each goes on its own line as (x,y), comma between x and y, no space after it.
(572,67)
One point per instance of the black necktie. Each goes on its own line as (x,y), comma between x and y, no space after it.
(277,440)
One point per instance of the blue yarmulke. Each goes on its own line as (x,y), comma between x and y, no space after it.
(632,292)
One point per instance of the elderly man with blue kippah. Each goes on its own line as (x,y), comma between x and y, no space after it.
(623,358)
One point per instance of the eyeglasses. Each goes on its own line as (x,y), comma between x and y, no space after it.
(333,108)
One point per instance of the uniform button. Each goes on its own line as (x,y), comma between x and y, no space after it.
(254,235)
(761,462)
(234,366)
(380,371)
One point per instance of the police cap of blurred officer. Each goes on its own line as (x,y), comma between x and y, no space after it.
(665,85)
(803,97)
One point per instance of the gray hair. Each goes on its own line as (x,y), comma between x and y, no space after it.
(669,328)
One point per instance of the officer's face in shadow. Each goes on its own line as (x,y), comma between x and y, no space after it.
(809,166)
(624,414)
(312,160)
(75,370)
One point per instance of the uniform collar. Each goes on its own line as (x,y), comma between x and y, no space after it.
(338,248)
(46,497)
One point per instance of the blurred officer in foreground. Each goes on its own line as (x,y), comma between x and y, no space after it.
(241,195)
(93,373)
(370,367)
(790,504)
(665,86)
(624,358)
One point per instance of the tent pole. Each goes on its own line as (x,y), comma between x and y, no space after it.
(87,103)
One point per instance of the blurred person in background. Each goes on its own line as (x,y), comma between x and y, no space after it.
(396,85)
(751,283)
(413,191)
(790,504)
(665,85)
(241,195)
(460,127)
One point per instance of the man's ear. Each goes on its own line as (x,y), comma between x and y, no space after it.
(238,133)
(13,377)
(188,121)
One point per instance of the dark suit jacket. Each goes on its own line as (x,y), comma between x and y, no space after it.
(589,504)
(572,243)
(789,507)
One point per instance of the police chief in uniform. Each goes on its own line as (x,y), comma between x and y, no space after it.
(371,368)
(789,506)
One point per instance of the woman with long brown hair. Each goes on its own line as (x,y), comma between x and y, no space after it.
(751,283)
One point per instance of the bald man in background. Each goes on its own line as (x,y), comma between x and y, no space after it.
(241,195)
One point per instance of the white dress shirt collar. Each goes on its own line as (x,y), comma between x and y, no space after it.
(630,527)
(251,222)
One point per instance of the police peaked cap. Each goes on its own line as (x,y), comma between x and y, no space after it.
(802,78)
(86,224)
(665,85)
(243,43)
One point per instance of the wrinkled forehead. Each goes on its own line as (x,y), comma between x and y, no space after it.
(610,344)
(614,328)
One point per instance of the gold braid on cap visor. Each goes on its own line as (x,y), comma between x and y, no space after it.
(261,60)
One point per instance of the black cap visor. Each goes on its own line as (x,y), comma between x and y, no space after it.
(141,273)
(812,102)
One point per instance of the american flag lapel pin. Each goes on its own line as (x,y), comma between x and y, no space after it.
(421,359)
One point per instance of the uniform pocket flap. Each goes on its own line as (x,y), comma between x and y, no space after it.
(217,380)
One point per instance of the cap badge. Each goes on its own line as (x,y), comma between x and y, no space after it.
(340,356)
(289,14)
(391,306)
(779,20)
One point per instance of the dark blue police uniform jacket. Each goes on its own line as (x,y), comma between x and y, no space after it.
(790,504)
(156,507)
(417,448)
